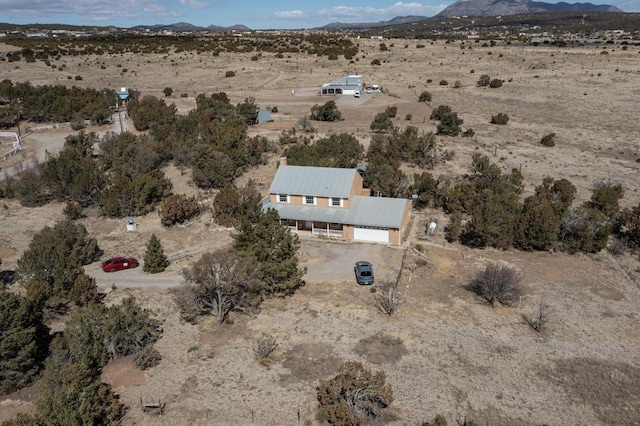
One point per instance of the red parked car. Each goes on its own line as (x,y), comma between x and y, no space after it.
(119,263)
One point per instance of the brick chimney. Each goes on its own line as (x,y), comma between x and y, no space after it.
(283,161)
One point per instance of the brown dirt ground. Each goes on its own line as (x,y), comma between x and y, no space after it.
(445,351)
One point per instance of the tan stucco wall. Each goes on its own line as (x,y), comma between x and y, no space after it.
(347,232)
(394,236)
(356,189)
(299,200)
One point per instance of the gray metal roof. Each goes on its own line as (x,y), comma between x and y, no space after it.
(264,116)
(298,212)
(380,212)
(318,181)
(350,80)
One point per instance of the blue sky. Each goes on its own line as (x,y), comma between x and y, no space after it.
(261,14)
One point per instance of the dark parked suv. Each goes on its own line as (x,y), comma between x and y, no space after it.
(364,272)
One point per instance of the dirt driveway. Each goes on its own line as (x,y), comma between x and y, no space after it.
(326,261)
(334,260)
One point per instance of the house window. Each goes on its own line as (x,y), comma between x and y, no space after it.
(309,199)
(336,202)
(283,198)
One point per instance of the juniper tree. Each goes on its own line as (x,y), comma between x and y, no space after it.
(24,342)
(274,248)
(154,258)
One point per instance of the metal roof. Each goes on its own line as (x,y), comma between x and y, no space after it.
(317,214)
(348,81)
(317,181)
(380,212)
(264,116)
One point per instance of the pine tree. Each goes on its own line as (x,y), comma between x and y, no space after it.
(274,247)
(154,258)
(24,341)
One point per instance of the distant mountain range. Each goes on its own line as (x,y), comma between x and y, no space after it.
(513,7)
(398,20)
(457,9)
(186,27)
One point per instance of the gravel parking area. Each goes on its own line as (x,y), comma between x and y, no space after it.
(333,260)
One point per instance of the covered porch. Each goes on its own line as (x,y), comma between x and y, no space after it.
(315,228)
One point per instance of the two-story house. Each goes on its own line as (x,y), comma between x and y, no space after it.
(332,202)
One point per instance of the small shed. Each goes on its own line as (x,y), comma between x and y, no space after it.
(131,223)
(264,116)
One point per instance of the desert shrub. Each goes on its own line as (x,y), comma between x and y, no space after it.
(497,283)
(327,112)
(78,124)
(548,140)
(584,229)
(167,91)
(539,318)
(443,82)
(425,96)
(469,133)
(495,83)
(484,80)
(73,211)
(264,346)
(354,396)
(376,62)
(382,123)
(449,124)
(538,225)
(391,111)
(605,197)
(629,226)
(457,84)
(230,74)
(500,118)
(147,357)
(154,258)
(387,299)
(178,208)
(440,111)
(408,117)
(440,420)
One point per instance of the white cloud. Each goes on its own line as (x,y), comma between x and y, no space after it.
(194,4)
(290,14)
(365,14)
(628,5)
(93,10)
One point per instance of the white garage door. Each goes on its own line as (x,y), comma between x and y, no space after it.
(371,234)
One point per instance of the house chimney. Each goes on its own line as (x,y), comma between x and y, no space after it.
(283,161)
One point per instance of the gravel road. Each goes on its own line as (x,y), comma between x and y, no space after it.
(324,260)
(133,278)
